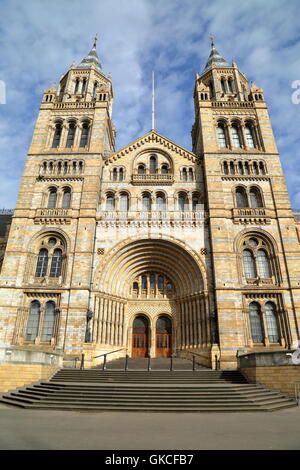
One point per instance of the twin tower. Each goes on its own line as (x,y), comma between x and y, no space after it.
(152,248)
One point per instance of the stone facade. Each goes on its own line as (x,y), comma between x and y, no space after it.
(152,246)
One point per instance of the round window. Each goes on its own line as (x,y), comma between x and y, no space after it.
(52,241)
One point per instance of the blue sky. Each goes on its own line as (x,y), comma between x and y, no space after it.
(40,39)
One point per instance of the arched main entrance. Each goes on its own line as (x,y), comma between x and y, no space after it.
(140,337)
(142,281)
(163,337)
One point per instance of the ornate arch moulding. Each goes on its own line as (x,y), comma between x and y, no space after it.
(48,232)
(121,257)
(255,231)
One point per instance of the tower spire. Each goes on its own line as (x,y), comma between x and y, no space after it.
(91,59)
(215,59)
(95,40)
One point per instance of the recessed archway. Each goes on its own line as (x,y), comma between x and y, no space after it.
(123,272)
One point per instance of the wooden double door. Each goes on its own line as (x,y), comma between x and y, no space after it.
(141,337)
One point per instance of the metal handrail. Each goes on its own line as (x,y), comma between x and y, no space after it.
(217,361)
(190,352)
(297,395)
(75,359)
(110,352)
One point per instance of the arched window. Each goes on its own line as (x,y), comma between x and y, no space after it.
(141,169)
(160,202)
(221,136)
(271,322)
(124,203)
(183,202)
(33,321)
(195,201)
(160,282)
(146,202)
(84,134)
(153,164)
(235,136)
(121,174)
(71,134)
(230,85)
(241,197)
(83,86)
(263,265)
(66,200)
(56,264)
(115,174)
(184,174)
(247,168)
(223,85)
(57,135)
(95,90)
(225,168)
(59,167)
(52,198)
(110,202)
(255,168)
(76,86)
(42,263)
(48,323)
(164,169)
(255,322)
(262,168)
(135,286)
(249,136)
(152,281)
(241,168)
(231,167)
(144,282)
(191,174)
(249,264)
(255,198)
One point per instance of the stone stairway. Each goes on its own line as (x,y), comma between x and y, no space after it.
(159,363)
(138,389)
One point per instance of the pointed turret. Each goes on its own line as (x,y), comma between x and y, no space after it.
(91,60)
(215,59)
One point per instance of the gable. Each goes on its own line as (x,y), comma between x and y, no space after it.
(149,141)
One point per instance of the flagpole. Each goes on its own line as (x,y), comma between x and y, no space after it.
(152,99)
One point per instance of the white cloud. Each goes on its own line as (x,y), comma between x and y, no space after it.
(40,40)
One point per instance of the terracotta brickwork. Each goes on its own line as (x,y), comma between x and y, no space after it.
(18,375)
(281,378)
(100,237)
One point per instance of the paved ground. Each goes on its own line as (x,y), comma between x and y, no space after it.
(55,430)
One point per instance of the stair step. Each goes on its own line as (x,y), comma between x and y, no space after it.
(95,390)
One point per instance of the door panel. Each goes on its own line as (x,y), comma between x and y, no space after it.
(140,337)
(163,338)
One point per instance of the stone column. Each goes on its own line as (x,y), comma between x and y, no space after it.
(63,137)
(100,321)
(108,332)
(182,324)
(264,325)
(105,320)
(123,339)
(199,321)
